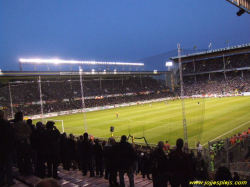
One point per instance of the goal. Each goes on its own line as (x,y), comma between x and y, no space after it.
(60,121)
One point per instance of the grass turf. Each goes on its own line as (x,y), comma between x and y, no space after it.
(208,120)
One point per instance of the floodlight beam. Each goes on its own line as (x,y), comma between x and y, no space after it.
(169,64)
(70,62)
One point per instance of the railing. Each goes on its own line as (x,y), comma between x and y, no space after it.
(227,155)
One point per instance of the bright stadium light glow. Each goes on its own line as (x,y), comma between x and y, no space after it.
(169,63)
(57,61)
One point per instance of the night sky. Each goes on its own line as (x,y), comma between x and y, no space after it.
(114,30)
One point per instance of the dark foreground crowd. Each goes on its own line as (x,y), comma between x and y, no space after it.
(38,150)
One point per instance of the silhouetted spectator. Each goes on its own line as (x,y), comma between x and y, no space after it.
(106,155)
(180,166)
(72,151)
(22,145)
(87,156)
(37,143)
(78,145)
(32,126)
(125,160)
(33,151)
(236,177)
(160,166)
(51,137)
(145,160)
(64,151)
(110,163)
(98,153)
(223,174)
(6,146)
(136,162)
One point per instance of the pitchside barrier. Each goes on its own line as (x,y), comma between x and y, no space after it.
(74,111)
(143,146)
(223,152)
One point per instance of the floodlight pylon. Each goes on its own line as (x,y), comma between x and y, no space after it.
(182,96)
(41,98)
(83,103)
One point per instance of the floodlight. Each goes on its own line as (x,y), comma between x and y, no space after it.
(57,61)
(93,70)
(155,71)
(169,63)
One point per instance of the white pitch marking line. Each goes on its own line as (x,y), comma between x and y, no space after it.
(129,119)
(228,132)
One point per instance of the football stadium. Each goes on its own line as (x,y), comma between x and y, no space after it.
(140,103)
(92,121)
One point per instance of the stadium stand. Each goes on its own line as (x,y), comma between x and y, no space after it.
(213,76)
(64,95)
(217,64)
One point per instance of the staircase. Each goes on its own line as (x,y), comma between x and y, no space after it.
(74,178)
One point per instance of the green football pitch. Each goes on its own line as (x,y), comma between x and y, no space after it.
(207,119)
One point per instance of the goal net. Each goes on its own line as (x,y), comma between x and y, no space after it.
(57,122)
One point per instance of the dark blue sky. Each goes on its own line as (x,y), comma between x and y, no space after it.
(114,30)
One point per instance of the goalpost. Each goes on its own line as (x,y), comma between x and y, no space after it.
(56,121)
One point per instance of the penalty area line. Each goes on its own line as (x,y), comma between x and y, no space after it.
(227,132)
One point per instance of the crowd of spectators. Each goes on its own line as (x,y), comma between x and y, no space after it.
(66,95)
(217,83)
(216,64)
(39,149)
(227,79)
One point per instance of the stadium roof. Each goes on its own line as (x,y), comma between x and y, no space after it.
(214,53)
(7,76)
(242,4)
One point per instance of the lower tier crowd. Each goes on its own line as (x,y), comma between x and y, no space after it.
(39,149)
